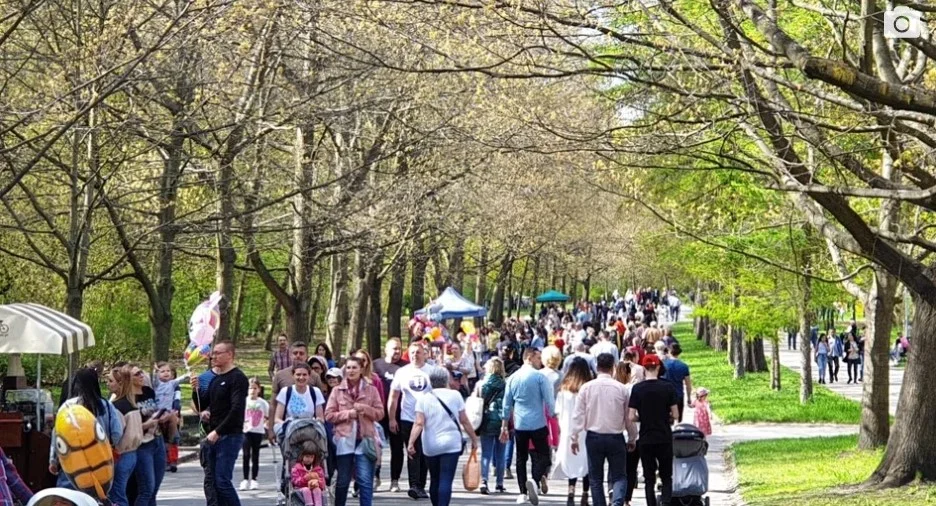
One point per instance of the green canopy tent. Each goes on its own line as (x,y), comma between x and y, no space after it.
(553,296)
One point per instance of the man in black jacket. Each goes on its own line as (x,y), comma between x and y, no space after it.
(227,396)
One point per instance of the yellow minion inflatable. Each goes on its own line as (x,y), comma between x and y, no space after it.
(83,451)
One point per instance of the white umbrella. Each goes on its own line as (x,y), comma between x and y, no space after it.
(31,328)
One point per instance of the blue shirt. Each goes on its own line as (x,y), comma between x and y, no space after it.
(527,392)
(538,342)
(676,372)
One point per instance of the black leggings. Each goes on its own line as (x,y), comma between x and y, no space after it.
(573,481)
(252,441)
(633,461)
(853,366)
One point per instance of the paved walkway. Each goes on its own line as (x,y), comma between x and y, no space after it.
(793,360)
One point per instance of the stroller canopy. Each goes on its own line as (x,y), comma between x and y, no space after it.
(304,433)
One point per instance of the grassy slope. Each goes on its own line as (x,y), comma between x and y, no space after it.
(751,399)
(813,472)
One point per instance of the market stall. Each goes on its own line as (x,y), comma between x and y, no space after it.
(27,414)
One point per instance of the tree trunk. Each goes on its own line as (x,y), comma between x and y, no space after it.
(721,338)
(481,283)
(316,305)
(374,313)
(418,281)
(552,272)
(775,366)
(510,294)
(737,351)
(457,264)
(239,308)
(535,291)
(272,322)
(497,304)
(227,255)
(74,303)
(337,304)
(805,322)
(760,359)
(359,302)
(911,448)
(748,347)
(395,298)
(875,399)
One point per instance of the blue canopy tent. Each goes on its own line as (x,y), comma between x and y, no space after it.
(451,304)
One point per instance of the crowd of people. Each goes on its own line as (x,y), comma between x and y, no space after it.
(537,392)
(535,384)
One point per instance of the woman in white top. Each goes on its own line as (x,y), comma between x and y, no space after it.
(571,466)
(438,414)
(304,401)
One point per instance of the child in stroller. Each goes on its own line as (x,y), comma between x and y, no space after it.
(303,436)
(308,476)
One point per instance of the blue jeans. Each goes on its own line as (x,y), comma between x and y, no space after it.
(613,448)
(204,457)
(150,468)
(224,454)
(442,474)
(822,359)
(123,468)
(492,448)
(362,468)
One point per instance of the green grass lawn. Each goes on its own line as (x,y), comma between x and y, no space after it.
(751,399)
(815,472)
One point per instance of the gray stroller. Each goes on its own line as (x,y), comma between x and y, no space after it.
(300,436)
(690,470)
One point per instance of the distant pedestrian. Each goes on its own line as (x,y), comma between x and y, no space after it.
(602,412)
(527,392)
(280,358)
(653,404)
(677,372)
(440,418)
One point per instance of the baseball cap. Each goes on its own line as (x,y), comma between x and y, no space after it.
(334,372)
(650,360)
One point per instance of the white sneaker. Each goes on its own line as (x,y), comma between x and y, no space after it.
(532,492)
(243,485)
(394,486)
(522,499)
(254,485)
(280,498)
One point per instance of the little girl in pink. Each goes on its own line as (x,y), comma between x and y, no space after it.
(309,477)
(703,413)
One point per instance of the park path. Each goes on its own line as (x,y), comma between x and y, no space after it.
(793,360)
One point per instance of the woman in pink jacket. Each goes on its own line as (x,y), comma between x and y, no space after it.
(354,408)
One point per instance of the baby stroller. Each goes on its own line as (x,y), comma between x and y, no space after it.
(300,435)
(690,470)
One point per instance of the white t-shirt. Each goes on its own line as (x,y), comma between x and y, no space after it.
(300,405)
(440,434)
(412,382)
(255,413)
